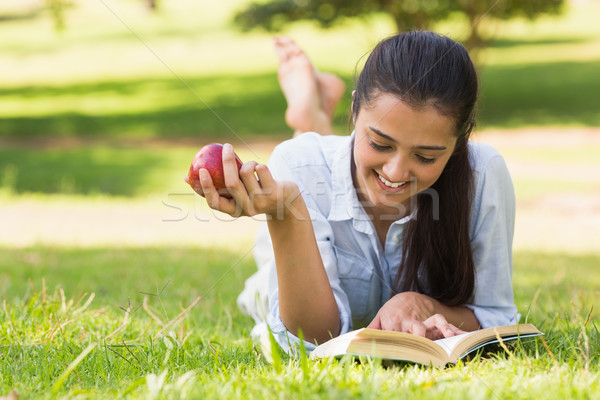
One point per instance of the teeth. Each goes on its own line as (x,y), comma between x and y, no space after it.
(390,184)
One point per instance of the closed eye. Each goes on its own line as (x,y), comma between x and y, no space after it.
(425,160)
(378,147)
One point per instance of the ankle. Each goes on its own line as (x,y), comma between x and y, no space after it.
(309,122)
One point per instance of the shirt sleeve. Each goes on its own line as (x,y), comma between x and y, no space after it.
(492,229)
(324,237)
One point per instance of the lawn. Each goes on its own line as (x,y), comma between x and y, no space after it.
(124,311)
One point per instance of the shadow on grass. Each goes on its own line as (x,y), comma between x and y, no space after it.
(564,93)
(83,170)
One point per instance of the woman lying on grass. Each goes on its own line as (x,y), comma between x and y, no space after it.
(405,225)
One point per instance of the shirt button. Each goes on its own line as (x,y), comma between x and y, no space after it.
(395,239)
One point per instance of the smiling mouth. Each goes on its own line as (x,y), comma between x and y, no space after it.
(392,185)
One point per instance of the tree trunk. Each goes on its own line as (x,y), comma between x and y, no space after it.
(474,42)
(419,21)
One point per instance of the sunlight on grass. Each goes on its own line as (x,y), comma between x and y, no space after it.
(566,154)
(532,189)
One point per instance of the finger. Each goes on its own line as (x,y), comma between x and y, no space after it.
(416,328)
(439,322)
(208,188)
(456,330)
(213,199)
(376,323)
(248,178)
(233,183)
(264,176)
(230,169)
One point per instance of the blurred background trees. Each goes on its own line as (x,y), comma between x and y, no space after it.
(11,10)
(274,15)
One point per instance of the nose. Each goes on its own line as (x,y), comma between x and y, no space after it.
(396,168)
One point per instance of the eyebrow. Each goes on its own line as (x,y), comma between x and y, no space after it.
(391,139)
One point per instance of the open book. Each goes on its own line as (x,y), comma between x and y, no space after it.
(417,349)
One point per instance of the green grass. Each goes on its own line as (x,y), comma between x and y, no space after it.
(135,170)
(46,323)
(554,93)
(90,170)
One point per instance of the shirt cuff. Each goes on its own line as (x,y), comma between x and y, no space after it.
(489,317)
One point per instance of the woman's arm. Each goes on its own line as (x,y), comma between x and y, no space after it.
(492,229)
(306,300)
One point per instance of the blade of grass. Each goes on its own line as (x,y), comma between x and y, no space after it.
(71,367)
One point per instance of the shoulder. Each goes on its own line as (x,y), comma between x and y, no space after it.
(489,167)
(309,149)
(483,157)
(493,189)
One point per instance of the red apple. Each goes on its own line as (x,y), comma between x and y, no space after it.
(210,158)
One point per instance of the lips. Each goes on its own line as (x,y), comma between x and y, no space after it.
(391,186)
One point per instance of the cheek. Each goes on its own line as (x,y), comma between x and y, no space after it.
(362,157)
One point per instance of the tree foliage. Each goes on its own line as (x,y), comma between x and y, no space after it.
(273,15)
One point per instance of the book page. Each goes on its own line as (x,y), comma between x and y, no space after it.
(450,343)
(477,339)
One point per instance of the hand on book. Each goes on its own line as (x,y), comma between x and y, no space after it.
(412,312)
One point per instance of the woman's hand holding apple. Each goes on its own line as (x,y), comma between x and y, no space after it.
(241,191)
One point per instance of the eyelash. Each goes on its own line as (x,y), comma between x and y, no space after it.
(423,160)
(378,146)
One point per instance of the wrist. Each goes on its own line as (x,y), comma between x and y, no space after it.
(290,203)
(435,307)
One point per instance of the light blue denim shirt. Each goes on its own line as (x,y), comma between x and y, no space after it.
(361,271)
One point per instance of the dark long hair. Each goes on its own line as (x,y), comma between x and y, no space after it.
(424,69)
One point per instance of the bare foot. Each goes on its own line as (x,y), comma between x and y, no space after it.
(311,95)
(331,90)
